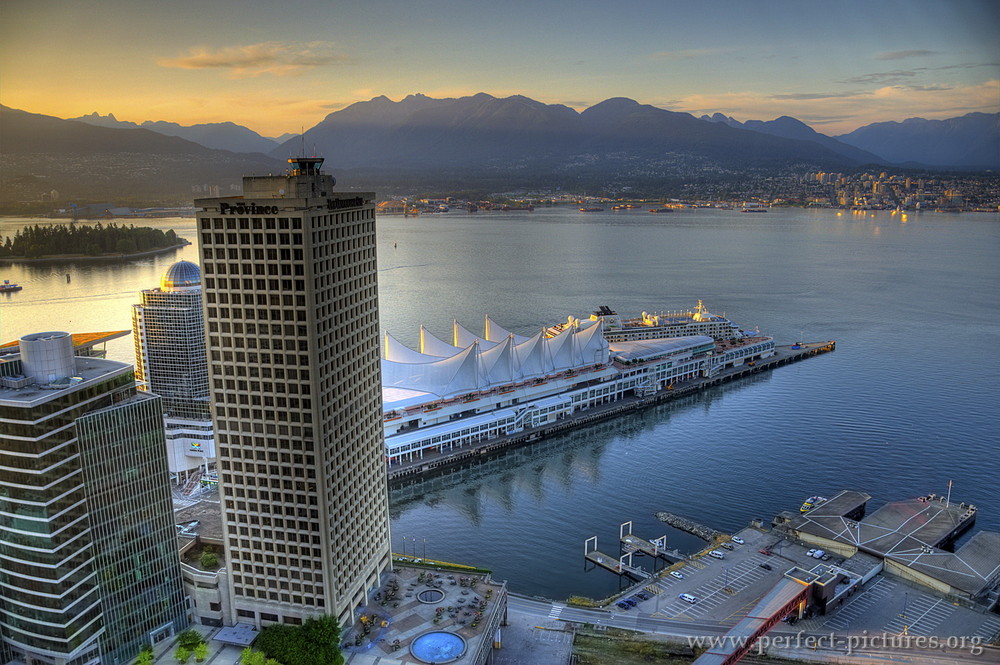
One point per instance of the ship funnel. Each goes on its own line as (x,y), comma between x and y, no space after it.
(47,356)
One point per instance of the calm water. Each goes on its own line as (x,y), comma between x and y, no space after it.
(908,401)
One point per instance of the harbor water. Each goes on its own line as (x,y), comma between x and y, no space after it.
(906,403)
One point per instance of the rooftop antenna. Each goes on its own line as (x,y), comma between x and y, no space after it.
(302,136)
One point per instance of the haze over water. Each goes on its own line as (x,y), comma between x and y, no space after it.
(907,402)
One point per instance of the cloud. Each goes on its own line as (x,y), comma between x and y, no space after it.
(839,113)
(685,54)
(900,75)
(817,95)
(879,78)
(251,60)
(900,55)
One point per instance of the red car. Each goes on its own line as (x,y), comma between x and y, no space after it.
(766,552)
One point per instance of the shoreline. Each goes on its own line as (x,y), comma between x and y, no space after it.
(437,463)
(74,258)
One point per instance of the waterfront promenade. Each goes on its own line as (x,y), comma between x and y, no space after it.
(438,460)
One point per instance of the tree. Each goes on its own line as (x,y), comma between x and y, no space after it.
(182,655)
(145,657)
(201,652)
(209,559)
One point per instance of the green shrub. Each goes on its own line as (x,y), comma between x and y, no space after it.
(190,638)
(315,642)
(208,560)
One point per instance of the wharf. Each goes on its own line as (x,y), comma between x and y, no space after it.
(784,355)
(632,543)
(615,566)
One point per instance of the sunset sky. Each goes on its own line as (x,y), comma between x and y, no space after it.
(277,67)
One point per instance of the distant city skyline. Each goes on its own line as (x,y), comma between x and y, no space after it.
(280,69)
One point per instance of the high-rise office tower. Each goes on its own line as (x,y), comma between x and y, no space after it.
(291,309)
(89,571)
(168,327)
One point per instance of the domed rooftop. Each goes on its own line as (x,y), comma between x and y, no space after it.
(181,276)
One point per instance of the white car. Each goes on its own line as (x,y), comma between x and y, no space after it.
(716,554)
(688,598)
(810,552)
(818,554)
(674,573)
(737,540)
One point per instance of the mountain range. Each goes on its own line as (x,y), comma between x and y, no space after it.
(972,140)
(479,141)
(218,135)
(80,161)
(486,133)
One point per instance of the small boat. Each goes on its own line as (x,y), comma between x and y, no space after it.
(591,209)
(659,210)
(7,287)
(811,503)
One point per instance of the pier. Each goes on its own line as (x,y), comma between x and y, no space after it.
(784,355)
(617,565)
(656,548)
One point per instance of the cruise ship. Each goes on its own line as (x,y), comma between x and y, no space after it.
(448,395)
(676,323)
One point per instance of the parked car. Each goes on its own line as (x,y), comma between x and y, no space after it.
(811,553)
(686,597)
(825,557)
(621,604)
(766,566)
(818,554)
(674,573)
(642,595)
(716,554)
(728,546)
(738,540)
(765,552)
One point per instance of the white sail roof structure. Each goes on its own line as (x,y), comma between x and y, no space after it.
(559,350)
(434,346)
(591,347)
(463,337)
(497,333)
(499,363)
(448,376)
(396,351)
(531,356)
(442,371)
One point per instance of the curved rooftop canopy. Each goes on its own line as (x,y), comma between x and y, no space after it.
(181,276)
(444,370)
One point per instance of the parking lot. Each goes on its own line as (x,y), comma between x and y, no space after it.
(727,589)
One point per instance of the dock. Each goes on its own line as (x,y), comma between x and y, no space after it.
(632,543)
(615,566)
(784,355)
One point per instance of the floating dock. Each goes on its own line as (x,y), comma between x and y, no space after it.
(632,543)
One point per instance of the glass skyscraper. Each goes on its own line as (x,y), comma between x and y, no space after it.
(168,328)
(89,570)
